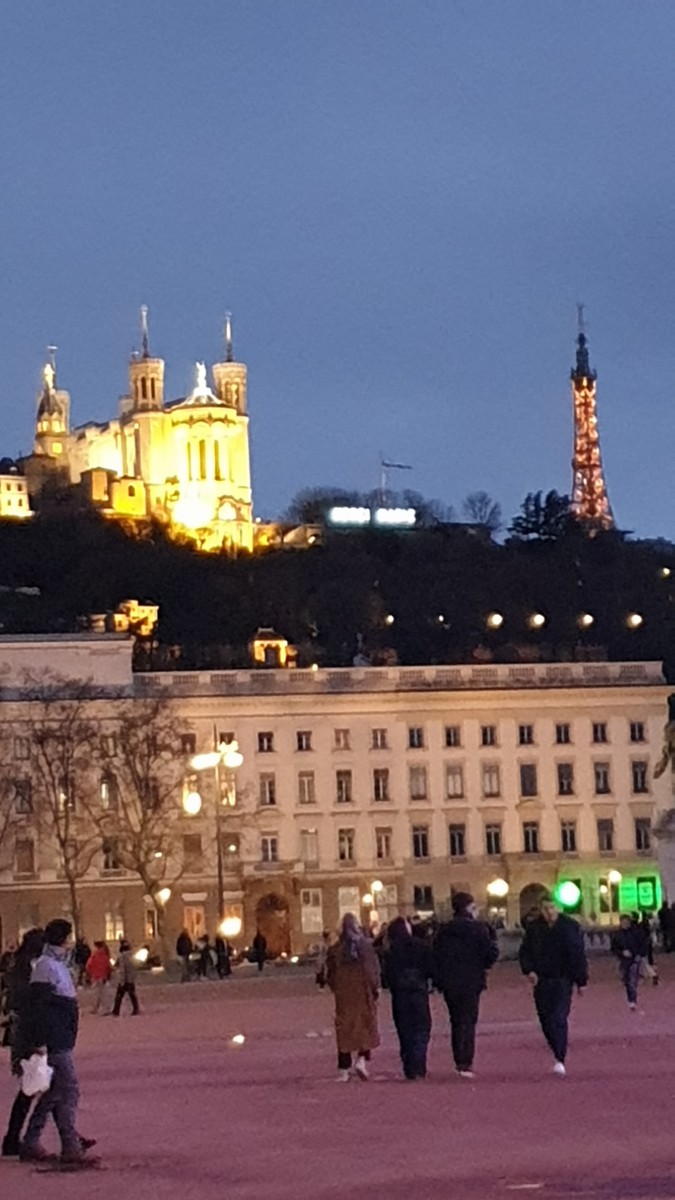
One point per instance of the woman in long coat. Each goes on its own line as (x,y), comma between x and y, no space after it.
(353,975)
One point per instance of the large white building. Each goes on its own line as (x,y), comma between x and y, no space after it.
(500,780)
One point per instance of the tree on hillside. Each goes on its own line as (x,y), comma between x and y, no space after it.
(480,509)
(542,518)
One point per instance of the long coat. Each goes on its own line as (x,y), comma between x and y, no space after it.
(355,983)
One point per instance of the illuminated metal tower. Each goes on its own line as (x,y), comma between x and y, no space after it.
(590,502)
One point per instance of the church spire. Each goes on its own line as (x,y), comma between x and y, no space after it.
(145,345)
(229,349)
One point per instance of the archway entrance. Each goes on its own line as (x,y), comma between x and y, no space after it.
(530,899)
(273,920)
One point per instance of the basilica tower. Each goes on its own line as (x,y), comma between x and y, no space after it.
(53,415)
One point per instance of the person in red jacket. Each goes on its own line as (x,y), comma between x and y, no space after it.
(99,971)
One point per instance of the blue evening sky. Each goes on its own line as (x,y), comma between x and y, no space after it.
(400,202)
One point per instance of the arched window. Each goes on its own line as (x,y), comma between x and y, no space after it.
(144,388)
(202,459)
(131,490)
(152,389)
(216,461)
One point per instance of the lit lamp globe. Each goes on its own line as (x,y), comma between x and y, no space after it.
(232,756)
(376,887)
(585,620)
(614,876)
(494,620)
(536,620)
(498,889)
(192,804)
(568,893)
(164,895)
(634,620)
(367,900)
(202,762)
(230,927)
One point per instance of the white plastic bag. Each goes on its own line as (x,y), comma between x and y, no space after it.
(36,1075)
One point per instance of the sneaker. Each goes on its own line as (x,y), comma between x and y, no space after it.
(466,1074)
(9,1151)
(35,1154)
(559,1069)
(78,1158)
(342,1077)
(632,1006)
(87,1143)
(361,1068)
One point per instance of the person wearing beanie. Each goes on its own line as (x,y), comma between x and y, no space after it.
(464,950)
(553,957)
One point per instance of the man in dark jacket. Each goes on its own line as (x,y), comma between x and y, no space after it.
(52,1024)
(409,967)
(464,950)
(630,945)
(553,956)
(183,952)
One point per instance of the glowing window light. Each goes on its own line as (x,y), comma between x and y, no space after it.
(340,515)
(192,513)
(192,804)
(395,516)
(164,895)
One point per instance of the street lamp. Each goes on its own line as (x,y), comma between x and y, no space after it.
(229,756)
(498,889)
(614,878)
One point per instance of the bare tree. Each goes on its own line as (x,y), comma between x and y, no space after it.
(480,509)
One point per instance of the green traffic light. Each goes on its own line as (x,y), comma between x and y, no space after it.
(568,893)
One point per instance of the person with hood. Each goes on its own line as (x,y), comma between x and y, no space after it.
(99,972)
(629,945)
(52,1023)
(353,975)
(464,951)
(409,967)
(18,985)
(553,957)
(81,956)
(127,980)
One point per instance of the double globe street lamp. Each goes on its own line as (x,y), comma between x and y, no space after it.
(230,757)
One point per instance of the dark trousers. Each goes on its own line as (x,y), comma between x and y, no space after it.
(261,962)
(345,1058)
(60,1101)
(630,975)
(553,1000)
(17,1120)
(463,1012)
(125,989)
(412,1019)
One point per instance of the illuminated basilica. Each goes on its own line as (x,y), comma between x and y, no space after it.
(184,462)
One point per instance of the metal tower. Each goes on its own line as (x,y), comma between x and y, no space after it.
(590,502)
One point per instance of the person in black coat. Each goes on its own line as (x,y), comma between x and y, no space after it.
(553,956)
(409,967)
(464,950)
(630,945)
(183,952)
(260,949)
(222,948)
(18,1002)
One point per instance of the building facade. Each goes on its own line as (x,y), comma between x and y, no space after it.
(376,790)
(184,462)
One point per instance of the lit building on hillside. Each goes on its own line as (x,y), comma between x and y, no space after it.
(184,462)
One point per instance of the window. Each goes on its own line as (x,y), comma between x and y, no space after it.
(638,772)
(568,837)
(381,784)
(268,791)
(379,739)
(418,783)
(415,737)
(269,848)
(565,779)
(21,748)
(346,839)
(230,847)
(423,898)
(599,732)
(349,901)
(216,461)
(605,835)
(265,743)
(303,739)
(109,855)
(637,731)
(66,798)
(342,739)
(528,779)
(453,737)
(311,910)
(454,782)
(309,847)
(643,834)
(24,856)
(491,781)
(114,926)
(306,789)
(383,845)
(151,924)
(131,490)
(457,841)
(488,735)
(493,840)
(601,778)
(192,850)
(343,787)
(188,743)
(109,744)
(420,841)
(563,735)
(225,737)
(526,735)
(202,459)
(23,793)
(531,837)
(109,792)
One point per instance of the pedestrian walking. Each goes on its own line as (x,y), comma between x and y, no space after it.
(126,985)
(205,960)
(222,949)
(322,959)
(353,975)
(183,952)
(629,945)
(260,949)
(553,957)
(409,967)
(464,951)
(99,972)
(81,956)
(17,982)
(666,924)
(651,969)
(52,1022)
